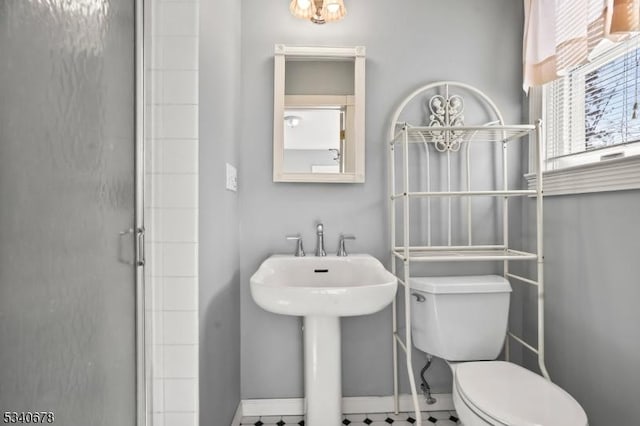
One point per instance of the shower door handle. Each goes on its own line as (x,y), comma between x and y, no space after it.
(140,240)
(138,255)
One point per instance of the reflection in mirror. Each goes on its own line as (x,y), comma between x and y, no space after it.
(314,140)
(318,124)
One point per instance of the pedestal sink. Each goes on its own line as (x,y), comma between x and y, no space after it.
(322,289)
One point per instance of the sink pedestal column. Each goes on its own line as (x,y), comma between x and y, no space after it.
(322,371)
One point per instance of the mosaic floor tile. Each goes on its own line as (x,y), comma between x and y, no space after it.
(440,415)
(434,418)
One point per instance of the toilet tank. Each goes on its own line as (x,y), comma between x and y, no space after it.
(460,318)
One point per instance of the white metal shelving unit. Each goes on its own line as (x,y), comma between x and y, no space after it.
(447,135)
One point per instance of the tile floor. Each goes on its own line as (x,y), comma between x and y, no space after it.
(437,418)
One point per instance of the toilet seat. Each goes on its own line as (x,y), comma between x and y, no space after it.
(504,393)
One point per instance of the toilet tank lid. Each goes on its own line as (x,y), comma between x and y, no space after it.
(461,284)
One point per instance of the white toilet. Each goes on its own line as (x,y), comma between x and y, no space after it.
(464,321)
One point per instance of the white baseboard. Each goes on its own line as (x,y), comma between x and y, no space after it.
(350,405)
(238,416)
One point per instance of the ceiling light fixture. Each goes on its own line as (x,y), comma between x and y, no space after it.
(318,11)
(292,120)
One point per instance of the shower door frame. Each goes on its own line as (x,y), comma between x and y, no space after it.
(142,368)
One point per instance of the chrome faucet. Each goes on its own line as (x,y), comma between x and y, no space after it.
(342,251)
(320,240)
(299,248)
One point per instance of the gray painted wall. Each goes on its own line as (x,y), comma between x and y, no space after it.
(219,262)
(592,242)
(407,46)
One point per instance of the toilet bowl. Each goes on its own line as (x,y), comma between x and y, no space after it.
(463,320)
(500,393)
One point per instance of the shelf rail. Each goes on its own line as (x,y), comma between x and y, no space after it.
(444,135)
(512,193)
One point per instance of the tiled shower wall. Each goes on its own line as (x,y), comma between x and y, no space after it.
(171,204)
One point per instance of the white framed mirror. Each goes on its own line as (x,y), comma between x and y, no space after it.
(318,124)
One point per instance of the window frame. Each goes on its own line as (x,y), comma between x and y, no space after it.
(611,168)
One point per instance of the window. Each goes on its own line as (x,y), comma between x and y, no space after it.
(591,115)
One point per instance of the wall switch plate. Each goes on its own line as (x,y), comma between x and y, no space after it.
(232,178)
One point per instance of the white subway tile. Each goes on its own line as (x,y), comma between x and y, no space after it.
(157,290)
(180,259)
(170,156)
(148,189)
(180,156)
(179,53)
(181,394)
(157,397)
(154,258)
(153,293)
(180,361)
(158,331)
(180,87)
(148,296)
(148,328)
(158,419)
(154,187)
(154,87)
(171,209)
(179,225)
(179,122)
(177,18)
(155,123)
(157,362)
(180,293)
(157,50)
(150,91)
(153,156)
(180,327)
(177,191)
(153,225)
(180,419)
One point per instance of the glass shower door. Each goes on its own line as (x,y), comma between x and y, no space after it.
(67,190)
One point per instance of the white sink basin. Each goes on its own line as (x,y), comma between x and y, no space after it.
(323,289)
(327,286)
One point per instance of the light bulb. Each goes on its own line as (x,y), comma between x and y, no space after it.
(333,7)
(304,4)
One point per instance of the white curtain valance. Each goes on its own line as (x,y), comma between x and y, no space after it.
(560,34)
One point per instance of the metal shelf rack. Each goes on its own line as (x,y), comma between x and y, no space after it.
(446,135)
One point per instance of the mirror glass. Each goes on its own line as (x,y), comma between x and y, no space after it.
(318,115)
(314,139)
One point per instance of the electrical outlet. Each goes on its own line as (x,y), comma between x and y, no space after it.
(232,178)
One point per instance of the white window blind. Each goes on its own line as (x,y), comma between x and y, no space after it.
(589,113)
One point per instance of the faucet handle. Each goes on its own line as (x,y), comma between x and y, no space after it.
(342,251)
(299,248)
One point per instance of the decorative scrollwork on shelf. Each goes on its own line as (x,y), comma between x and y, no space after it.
(446,112)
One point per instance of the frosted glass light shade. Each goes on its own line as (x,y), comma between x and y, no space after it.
(318,11)
(303,9)
(333,10)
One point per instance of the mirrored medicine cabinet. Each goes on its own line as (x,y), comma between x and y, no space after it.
(318,119)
